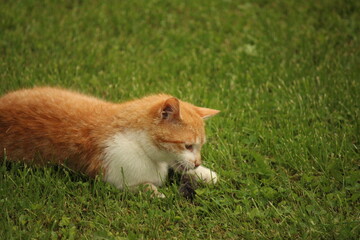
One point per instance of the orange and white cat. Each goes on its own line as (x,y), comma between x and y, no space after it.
(132,143)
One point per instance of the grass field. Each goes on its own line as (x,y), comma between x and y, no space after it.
(285,74)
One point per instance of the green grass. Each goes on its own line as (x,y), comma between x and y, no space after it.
(285,74)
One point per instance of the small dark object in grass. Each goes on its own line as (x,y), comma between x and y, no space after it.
(188,186)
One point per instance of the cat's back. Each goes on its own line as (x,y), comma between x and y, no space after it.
(54,122)
(51,111)
(47,102)
(48,96)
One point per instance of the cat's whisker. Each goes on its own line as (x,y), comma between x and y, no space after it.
(180,168)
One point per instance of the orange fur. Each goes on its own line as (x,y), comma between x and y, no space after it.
(51,125)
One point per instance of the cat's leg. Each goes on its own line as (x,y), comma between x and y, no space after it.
(204,174)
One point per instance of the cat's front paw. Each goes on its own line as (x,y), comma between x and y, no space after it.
(209,177)
(204,174)
(149,187)
(158,195)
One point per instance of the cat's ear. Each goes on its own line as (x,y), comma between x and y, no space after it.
(206,113)
(170,110)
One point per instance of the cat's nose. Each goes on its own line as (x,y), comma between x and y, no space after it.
(197,161)
(197,164)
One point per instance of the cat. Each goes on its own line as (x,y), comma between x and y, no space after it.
(131,144)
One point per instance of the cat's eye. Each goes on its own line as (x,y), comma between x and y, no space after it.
(189,147)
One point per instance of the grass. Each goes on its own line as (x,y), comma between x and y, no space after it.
(285,75)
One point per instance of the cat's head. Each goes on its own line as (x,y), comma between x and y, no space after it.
(178,130)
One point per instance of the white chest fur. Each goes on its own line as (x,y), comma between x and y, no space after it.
(131,158)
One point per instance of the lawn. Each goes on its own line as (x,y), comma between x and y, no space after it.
(285,75)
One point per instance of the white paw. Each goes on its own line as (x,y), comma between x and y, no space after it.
(149,187)
(158,195)
(210,177)
(204,174)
